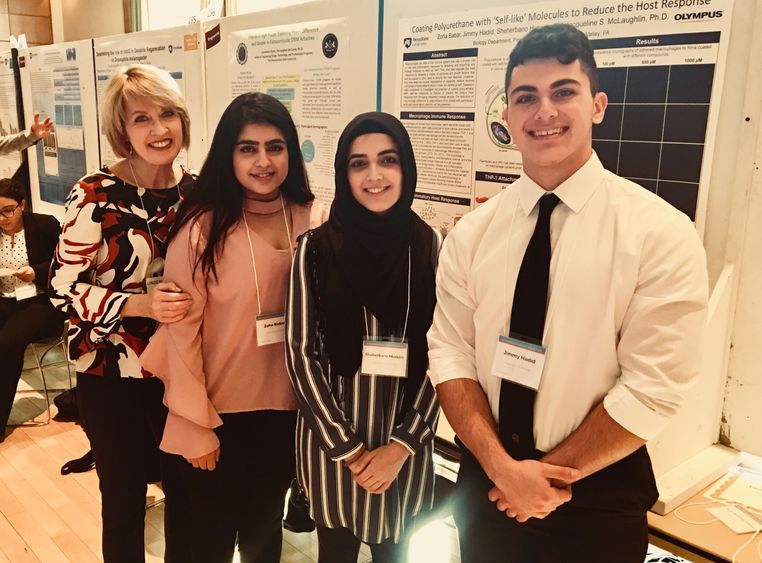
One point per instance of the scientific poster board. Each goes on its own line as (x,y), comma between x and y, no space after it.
(9,121)
(661,63)
(176,50)
(58,81)
(323,70)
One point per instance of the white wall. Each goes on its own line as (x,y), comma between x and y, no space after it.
(85,19)
(742,418)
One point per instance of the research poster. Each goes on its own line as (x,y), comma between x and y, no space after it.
(58,81)
(176,50)
(305,66)
(661,63)
(9,121)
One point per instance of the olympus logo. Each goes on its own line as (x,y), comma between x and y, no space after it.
(698,15)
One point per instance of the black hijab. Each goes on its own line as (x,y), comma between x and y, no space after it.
(361,259)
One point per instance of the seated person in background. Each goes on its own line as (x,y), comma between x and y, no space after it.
(25,139)
(27,241)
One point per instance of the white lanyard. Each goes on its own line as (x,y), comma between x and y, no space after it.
(387,356)
(407,311)
(143,206)
(251,249)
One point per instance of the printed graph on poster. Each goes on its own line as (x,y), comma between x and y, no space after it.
(61,155)
(9,123)
(659,90)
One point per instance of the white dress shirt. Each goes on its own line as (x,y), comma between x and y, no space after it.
(627,301)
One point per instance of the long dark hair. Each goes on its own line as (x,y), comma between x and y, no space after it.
(219,192)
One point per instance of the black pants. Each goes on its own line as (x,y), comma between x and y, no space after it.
(21,322)
(124,421)
(339,545)
(605,521)
(244,495)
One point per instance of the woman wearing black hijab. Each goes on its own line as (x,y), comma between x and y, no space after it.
(360,303)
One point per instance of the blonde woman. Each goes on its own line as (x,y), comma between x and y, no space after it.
(105,277)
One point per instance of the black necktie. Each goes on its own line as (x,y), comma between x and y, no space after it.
(530,302)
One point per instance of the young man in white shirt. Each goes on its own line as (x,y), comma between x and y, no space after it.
(625,309)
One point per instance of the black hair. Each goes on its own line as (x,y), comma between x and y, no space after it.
(564,42)
(218,191)
(11,189)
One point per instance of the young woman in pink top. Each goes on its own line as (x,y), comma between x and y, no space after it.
(232,410)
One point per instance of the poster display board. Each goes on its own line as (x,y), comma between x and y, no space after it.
(316,68)
(9,121)
(176,50)
(661,63)
(58,81)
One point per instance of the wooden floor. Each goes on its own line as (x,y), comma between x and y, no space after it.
(48,517)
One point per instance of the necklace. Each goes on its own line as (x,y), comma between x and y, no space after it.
(140,188)
(155,268)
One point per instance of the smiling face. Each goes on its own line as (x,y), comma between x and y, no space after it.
(550,115)
(155,133)
(260,160)
(374,172)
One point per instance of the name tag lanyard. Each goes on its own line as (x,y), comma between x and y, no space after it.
(155,270)
(271,327)
(517,359)
(387,357)
(557,283)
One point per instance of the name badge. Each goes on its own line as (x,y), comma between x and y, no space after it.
(25,291)
(271,328)
(154,273)
(519,361)
(384,357)
(152,282)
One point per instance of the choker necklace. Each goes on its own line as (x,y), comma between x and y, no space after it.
(259,207)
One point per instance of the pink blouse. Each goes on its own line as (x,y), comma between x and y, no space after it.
(209,361)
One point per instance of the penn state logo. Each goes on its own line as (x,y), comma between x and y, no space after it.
(242,53)
(330,45)
(407,42)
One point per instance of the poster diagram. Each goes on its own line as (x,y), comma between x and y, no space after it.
(305,66)
(9,122)
(663,90)
(176,50)
(655,125)
(57,81)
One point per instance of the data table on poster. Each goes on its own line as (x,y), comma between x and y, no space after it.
(656,121)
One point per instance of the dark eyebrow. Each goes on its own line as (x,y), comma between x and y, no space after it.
(556,84)
(269,143)
(564,82)
(523,88)
(382,153)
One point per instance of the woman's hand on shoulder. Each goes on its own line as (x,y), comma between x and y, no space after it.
(166,303)
(207,462)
